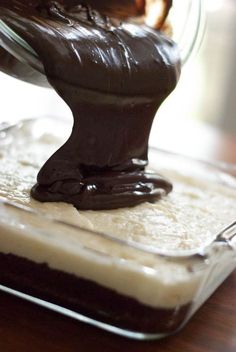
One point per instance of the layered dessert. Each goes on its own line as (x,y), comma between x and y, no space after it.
(104,264)
(87,224)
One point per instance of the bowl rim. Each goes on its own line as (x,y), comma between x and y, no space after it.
(21,50)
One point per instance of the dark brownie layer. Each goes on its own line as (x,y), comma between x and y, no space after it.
(87,297)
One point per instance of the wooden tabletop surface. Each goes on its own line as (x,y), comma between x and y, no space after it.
(25,327)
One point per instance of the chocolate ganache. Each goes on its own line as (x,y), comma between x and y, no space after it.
(114,76)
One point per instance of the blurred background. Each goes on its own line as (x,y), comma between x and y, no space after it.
(201,114)
(199,118)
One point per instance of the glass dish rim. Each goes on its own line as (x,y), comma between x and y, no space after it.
(224,239)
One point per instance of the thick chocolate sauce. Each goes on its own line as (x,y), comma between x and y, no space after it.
(114,76)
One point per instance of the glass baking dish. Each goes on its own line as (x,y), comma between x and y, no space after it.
(116,284)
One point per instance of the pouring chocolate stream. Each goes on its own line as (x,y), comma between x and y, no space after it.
(114,76)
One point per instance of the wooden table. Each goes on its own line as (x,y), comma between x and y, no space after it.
(25,327)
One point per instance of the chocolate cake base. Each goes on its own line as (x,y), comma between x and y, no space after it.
(87,298)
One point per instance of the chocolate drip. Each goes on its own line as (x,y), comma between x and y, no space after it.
(114,78)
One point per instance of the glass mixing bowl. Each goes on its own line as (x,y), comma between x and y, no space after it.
(187,22)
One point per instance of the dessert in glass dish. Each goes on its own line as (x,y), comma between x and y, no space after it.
(139,271)
(94,230)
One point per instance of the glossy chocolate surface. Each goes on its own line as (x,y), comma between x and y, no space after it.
(114,76)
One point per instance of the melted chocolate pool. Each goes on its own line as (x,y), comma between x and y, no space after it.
(114,76)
